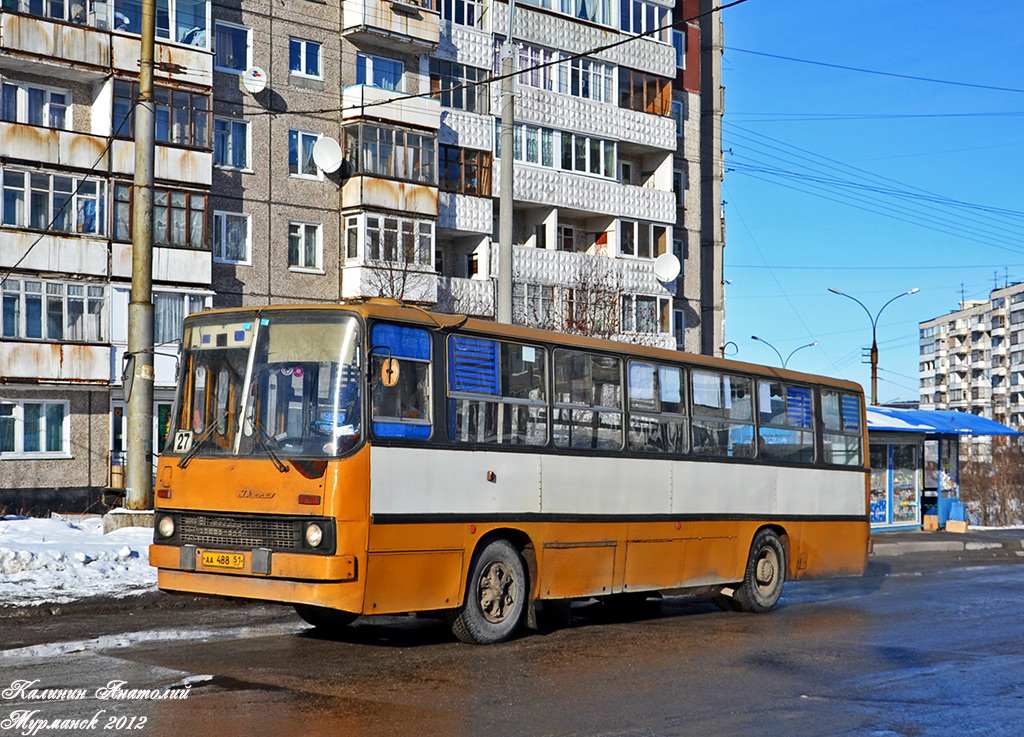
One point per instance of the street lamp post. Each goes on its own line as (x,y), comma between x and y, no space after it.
(874,335)
(783,361)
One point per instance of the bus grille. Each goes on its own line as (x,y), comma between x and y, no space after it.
(240,532)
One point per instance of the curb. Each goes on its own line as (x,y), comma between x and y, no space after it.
(887,549)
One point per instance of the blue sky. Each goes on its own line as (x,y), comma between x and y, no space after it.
(868,183)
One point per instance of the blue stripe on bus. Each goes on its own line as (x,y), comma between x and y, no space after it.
(851,413)
(403,342)
(798,406)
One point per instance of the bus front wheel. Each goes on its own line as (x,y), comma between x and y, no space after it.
(765,573)
(495,596)
(324,618)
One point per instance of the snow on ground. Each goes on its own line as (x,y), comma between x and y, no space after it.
(58,560)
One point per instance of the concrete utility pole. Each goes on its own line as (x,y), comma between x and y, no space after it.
(139,474)
(508,109)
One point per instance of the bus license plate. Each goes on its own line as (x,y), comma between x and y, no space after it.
(224,560)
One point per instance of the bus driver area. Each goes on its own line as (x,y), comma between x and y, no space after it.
(370,458)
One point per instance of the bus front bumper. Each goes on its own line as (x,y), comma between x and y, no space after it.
(260,563)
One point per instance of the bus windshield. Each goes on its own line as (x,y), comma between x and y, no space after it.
(277,384)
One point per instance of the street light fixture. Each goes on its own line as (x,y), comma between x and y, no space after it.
(874,334)
(783,361)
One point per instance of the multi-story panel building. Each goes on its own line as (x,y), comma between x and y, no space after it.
(400,198)
(972,360)
(68,85)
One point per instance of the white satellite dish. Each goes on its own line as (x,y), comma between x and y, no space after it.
(327,154)
(667,267)
(254,80)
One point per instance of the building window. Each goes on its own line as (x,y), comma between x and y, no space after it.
(457,86)
(63,204)
(643,240)
(304,58)
(230,143)
(463,12)
(231,238)
(181,117)
(184,21)
(642,314)
(538,63)
(34,428)
(464,171)
(54,311)
(679,187)
(305,246)
(679,44)
(232,48)
(22,103)
(679,327)
(645,93)
(169,309)
(391,153)
(300,154)
(677,116)
(399,240)
(533,304)
(591,80)
(380,72)
(179,217)
(645,18)
(566,238)
(588,155)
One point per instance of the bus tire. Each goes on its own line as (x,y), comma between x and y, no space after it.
(496,594)
(766,572)
(324,618)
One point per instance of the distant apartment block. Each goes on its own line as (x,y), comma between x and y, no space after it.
(972,360)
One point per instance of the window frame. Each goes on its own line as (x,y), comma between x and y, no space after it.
(22,92)
(467,160)
(220,223)
(16,420)
(16,313)
(69,203)
(303,45)
(230,149)
(233,27)
(317,267)
(368,66)
(296,147)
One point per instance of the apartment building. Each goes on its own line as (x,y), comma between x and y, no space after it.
(68,81)
(611,171)
(972,359)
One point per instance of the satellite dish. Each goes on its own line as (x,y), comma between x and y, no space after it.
(254,80)
(327,154)
(667,267)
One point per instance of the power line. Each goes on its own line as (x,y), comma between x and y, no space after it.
(879,72)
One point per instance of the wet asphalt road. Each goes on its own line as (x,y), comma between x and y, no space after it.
(909,650)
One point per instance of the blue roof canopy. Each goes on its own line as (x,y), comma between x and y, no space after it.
(933,422)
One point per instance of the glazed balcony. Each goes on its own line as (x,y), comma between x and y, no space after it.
(411,21)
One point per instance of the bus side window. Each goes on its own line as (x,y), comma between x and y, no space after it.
(588,401)
(723,420)
(841,413)
(400,390)
(657,409)
(786,431)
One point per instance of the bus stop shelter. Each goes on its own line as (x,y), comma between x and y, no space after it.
(915,462)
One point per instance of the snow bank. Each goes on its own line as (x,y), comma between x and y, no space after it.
(62,559)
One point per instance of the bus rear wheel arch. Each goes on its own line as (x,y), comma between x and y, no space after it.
(497,593)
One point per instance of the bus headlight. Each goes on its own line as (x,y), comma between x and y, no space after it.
(314,535)
(165,527)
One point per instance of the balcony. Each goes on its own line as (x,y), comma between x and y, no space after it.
(363,101)
(55,362)
(588,195)
(465,296)
(60,254)
(412,21)
(179,265)
(542,266)
(19,141)
(381,279)
(463,213)
(80,52)
(367,191)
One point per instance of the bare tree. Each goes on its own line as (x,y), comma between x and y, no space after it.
(995,490)
(397,275)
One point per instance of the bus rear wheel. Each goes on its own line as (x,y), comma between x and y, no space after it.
(495,596)
(323,618)
(766,572)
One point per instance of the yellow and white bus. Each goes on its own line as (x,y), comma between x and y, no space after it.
(371,458)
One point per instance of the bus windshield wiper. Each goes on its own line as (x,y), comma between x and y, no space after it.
(261,442)
(198,443)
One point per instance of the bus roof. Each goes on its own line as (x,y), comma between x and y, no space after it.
(393,309)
